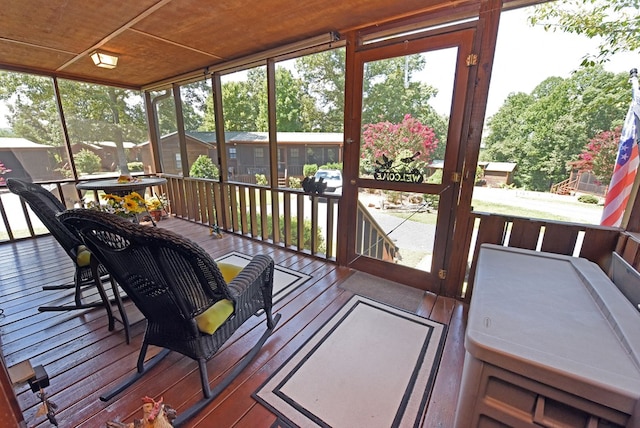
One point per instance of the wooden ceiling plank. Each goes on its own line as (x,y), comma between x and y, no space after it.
(115,33)
(180,45)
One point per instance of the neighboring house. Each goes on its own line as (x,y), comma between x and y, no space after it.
(498,174)
(247,152)
(27,159)
(198,143)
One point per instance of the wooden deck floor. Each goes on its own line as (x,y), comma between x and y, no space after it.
(84,359)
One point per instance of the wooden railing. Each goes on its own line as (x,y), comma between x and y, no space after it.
(565,187)
(372,240)
(595,243)
(285,217)
(308,224)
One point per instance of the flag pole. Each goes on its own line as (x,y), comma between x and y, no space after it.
(633,74)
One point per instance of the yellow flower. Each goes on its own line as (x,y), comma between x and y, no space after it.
(111,197)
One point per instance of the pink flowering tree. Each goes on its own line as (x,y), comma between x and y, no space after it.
(401,147)
(3,170)
(599,155)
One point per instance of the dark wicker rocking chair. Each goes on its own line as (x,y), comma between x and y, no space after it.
(174,282)
(89,272)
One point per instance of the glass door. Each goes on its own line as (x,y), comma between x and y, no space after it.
(407,123)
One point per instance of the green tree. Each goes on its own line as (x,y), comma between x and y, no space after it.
(240,107)
(322,76)
(390,93)
(92,112)
(615,23)
(545,130)
(245,103)
(203,167)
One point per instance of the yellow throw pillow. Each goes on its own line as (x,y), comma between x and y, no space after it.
(211,319)
(229,271)
(83,256)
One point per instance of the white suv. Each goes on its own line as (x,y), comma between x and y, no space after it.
(333,178)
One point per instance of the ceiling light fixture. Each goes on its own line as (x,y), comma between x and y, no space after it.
(104,60)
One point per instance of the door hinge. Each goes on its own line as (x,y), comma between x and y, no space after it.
(455,177)
(472,59)
(442,274)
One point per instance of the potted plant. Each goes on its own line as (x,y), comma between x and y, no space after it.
(156,205)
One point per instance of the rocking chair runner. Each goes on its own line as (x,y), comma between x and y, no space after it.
(179,289)
(89,271)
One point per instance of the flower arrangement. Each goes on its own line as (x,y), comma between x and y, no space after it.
(131,205)
(128,205)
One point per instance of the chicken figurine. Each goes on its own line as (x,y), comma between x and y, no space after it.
(155,414)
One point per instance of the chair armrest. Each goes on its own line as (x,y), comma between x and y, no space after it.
(251,274)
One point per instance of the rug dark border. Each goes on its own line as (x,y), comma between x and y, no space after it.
(410,386)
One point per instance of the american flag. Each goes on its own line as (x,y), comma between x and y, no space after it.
(624,172)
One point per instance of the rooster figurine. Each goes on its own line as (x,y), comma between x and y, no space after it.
(155,414)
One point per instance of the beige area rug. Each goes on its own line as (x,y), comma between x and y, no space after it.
(385,291)
(370,365)
(284,280)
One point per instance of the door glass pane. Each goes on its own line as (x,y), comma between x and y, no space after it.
(406,103)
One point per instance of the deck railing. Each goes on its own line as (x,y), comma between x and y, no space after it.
(593,242)
(308,224)
(281,216)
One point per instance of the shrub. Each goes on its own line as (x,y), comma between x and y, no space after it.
(203,167)
(87,161)
(588,199)
(295,183)
(261,180)
(334,165)
(135,166)
(309,170)
(393,196)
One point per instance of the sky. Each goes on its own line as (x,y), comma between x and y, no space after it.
(527,55)
(524,57)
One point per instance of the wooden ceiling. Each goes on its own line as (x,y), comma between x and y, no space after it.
(157,40)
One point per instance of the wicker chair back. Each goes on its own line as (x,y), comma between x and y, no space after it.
(172,280)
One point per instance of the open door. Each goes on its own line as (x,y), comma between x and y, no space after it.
(404,179)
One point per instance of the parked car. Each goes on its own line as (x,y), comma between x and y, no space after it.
(333,179)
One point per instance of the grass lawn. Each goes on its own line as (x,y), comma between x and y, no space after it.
(483,206)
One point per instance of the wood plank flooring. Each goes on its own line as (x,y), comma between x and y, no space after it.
(84,359)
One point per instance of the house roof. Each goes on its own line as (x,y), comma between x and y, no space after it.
(20,143)
(263,137)
(500,166)
(100,144)
(159,40)
(287,137)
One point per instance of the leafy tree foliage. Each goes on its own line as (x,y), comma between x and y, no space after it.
(615,23)
(92,112)
(599,156)
(314,100)
(543,131)
(322,77)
